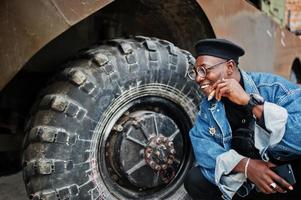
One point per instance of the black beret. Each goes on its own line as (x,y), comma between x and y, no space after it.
(220,48)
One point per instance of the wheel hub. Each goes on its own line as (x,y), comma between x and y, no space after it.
(159,153)
(143,144)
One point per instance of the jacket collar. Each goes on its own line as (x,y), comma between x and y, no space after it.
(249,84)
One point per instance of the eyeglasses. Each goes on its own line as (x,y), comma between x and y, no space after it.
(201,71)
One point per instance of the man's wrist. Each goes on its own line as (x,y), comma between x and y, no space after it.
(254,104)
(240,167)
(246,167)
(245,100)
(258,111)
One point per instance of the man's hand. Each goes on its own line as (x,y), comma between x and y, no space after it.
(231,89)
(262,176)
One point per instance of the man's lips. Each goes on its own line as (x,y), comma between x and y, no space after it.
(204,86)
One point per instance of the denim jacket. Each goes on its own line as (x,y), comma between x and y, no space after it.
(211,134)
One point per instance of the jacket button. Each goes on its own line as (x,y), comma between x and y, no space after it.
(212,131)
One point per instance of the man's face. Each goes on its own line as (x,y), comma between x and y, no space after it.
(213,74)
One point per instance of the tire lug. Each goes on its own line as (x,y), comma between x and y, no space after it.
(152,164)
(170,144)
(135,123)
(148,150)
(158,167)
(148,155)
(173,151)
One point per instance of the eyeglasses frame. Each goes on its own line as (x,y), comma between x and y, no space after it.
(195,68)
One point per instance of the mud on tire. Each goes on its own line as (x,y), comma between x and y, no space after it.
(113,125)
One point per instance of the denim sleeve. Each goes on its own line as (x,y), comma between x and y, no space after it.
(289,147)
(275,122)
(227,181)
(205,148)
(215,161)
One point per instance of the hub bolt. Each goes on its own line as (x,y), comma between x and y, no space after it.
(173,151)
(118,128)
(152,164)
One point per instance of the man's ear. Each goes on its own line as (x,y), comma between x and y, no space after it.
(231,66)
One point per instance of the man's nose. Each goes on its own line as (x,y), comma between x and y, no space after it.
(199,79)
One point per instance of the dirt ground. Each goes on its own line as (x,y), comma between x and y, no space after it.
(12,187)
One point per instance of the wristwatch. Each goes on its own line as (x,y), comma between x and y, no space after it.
(255,99)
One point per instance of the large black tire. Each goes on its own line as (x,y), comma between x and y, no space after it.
(113,125)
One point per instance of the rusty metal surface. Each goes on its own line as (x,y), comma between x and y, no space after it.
(268,47)
(293,15)
(26,26)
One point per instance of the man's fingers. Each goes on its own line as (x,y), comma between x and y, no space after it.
(271,164)
(284,184)
(280,181)
(265,188)
(274,186)
(216,83)
(279,189)
(267,184)
(223,92)
(218,88)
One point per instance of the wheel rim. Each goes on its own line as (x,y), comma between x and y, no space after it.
(143,150)
(146,138)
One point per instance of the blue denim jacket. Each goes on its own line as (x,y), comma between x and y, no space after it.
(211,134)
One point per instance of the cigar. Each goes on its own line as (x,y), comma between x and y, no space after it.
(211,95)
